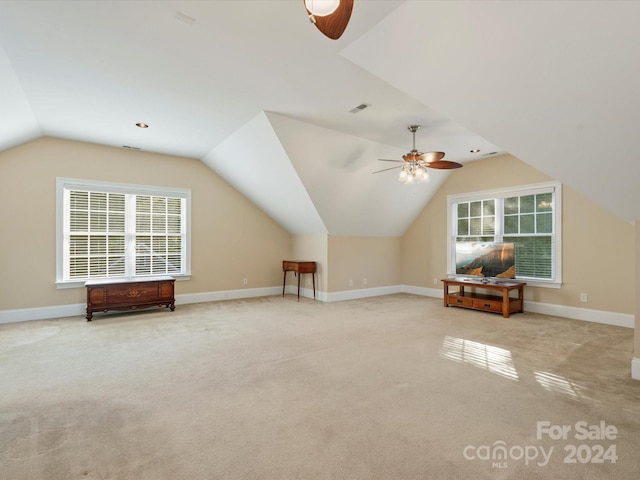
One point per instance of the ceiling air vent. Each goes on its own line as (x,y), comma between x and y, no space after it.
(184,19)
(130,147)
(359,108)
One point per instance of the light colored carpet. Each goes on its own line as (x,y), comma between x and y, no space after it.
(392,387)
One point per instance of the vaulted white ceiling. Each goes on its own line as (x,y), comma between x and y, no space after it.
(263,98)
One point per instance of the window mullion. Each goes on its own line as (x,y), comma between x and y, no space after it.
(499,221)
(130,235)
(66,232)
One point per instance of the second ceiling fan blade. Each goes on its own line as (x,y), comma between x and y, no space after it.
(444,165)
(384,170)
(387,160)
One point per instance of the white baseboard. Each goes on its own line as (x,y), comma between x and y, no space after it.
(42,313)
(186,298)
(635,368)
(424,291)
(596,316)
(362,293)
(79,309)
(304,292)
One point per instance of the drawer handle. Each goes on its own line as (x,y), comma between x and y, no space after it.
(459,300)
(487,305)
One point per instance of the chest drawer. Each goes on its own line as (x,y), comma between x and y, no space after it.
(489,305)
(459,300)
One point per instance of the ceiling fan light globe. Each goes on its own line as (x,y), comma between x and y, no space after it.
(322,8)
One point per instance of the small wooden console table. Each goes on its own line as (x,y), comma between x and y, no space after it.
(298,268)
(503,303)
(129,294)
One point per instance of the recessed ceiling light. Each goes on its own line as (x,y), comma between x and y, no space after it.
(142,125)
(475,150)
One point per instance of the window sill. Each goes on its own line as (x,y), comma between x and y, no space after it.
(529,281)
(540,283)
(80,283)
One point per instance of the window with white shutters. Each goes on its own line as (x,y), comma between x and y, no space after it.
(115,230)
(527,216)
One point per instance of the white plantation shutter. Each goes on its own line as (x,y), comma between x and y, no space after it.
(158,235)
(113,230)
(96,235)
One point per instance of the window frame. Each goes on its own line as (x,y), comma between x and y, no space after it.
(501,193)
(65,184)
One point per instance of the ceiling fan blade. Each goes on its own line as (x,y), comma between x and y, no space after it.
(384,170)
(431,156)
(444,165)
(387,160)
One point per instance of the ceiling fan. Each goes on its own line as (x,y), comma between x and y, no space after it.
(414,164)
(329,16)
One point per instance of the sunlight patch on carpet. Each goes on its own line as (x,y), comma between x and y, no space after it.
(487,357)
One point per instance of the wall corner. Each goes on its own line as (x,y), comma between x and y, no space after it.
(635,368)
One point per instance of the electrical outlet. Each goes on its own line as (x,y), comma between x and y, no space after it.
(245,281)
(583,297)
(351,283)
(364,281)
(435,281)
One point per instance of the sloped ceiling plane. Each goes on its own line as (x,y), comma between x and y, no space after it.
(258,94)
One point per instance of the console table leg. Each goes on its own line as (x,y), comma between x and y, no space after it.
(299,275)
(521,298)
(313,278)
(505,303)
(284,282)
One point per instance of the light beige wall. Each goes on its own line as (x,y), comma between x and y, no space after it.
(597,246)
(352,259)
(312,248)
(637,290)
(231,238)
